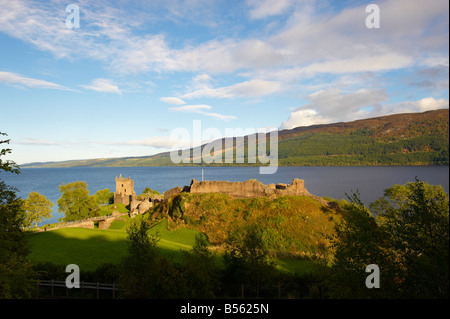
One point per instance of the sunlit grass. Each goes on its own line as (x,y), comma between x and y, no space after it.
(89,248)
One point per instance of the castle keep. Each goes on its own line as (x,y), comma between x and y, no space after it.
(124,191)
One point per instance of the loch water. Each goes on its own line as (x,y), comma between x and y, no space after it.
(334,182)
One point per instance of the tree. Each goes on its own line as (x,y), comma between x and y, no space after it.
(415,216)
(247,260)
(8,165)
(75,202)
(16,274)
(359,242)
(37,207)
(408,241)
(104,197)
(201,271)
(137,276)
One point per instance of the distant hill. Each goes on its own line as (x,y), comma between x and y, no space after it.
(399,139)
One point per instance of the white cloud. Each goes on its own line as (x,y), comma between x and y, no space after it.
(220,116)
(201,109)
(202,81)
(335,104)
(304,117)
(310,40)
(191,108)
(422,105)
(153,141)
(164,142)
(388,61)
(331,105)
(252,88)
(39,142)
(172,100)
(11,78)
(103,85)
(253,53)
(267,8)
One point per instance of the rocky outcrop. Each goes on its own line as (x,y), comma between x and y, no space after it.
(140,206)
(172,192)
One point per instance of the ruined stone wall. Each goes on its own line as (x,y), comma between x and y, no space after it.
(248,189)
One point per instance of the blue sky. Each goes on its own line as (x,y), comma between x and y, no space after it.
(134,71)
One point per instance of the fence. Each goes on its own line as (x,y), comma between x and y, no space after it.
(280,290)
(58,289)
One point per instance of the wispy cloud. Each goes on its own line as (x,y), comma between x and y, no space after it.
(103,85)
(191,108)
(164,142)
(252,88)
(201,109)
(266,8)
(172,100)
(19,80)
(310,41)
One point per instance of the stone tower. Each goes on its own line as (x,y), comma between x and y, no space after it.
(124,191)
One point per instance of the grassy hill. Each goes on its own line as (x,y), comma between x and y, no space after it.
(400,139)
(291,225)
(295,228)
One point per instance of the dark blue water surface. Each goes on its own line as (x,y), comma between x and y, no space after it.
(334,182)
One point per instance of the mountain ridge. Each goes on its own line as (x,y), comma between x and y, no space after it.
(397,139)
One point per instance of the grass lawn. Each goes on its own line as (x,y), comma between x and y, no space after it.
(89,248)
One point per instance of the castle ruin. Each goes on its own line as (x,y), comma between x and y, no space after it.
(249,189)
(124,191)
(125,195)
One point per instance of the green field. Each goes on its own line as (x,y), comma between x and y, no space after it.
(89,248)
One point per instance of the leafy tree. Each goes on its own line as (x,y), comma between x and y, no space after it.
(247,260)
(137,276)
(360,242)
(16,274)
(8,165)
(37,207)
(415,217)
(201,271)
(75,202)
(146,274)
(408,240)
(104,197)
